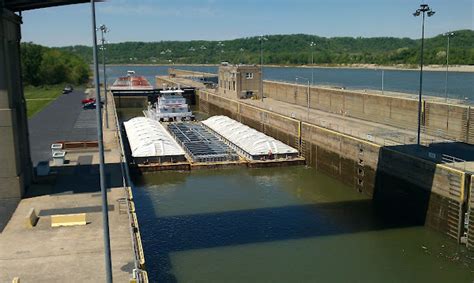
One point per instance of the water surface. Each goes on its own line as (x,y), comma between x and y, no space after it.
(460,84)
(283,225)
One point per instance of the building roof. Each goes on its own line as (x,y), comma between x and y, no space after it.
(149,138)
(23,5)
(249,140)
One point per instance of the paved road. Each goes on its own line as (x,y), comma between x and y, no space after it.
(62,120)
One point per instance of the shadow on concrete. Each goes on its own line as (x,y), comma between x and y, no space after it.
(435,150)
(75,180)
(73,210)
(7,208)
(402,198)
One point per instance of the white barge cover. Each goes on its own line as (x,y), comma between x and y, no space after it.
(249,140)
(148,138)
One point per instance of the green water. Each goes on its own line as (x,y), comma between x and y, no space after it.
(283,225)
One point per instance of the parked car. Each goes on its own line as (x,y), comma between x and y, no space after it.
(92,105)
(67,89)
(87,100)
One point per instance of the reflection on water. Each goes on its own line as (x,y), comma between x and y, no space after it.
(283,225)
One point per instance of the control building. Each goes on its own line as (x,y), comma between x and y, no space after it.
(243,81)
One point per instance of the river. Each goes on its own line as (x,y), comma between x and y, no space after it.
(290,224)
(460,84)
(283,225)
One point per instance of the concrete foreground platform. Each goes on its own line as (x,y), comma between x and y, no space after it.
(75,253)
(65,254)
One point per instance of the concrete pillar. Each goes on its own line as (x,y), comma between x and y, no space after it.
(15,160)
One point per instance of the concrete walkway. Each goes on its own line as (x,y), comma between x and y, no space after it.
(69,254)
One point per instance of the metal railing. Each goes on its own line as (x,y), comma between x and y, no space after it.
(455,162)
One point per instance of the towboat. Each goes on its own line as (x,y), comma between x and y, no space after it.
(170,106)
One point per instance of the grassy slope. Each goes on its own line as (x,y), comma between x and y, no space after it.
(38,98)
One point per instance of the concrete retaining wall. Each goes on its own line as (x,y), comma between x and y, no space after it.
(131,101)
(15,162)
(431,194)
(470,222)
(448,120)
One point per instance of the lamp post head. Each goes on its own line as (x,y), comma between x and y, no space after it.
(104,28)
(424,8)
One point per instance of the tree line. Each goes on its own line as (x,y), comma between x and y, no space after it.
(292,50)
(49,66)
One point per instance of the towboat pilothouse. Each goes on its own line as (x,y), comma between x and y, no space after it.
(170,106)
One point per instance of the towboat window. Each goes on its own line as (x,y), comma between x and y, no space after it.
(249,76)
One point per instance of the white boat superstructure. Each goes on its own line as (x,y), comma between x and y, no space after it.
(170,106)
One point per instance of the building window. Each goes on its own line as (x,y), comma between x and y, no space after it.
(249,76)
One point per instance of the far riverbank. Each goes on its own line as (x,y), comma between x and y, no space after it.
(400,67)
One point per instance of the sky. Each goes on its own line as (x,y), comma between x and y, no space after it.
(157,20)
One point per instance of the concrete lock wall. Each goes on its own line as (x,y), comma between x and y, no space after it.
(131,101)
(433,194)
(440,119)
(470,222)
(15,161)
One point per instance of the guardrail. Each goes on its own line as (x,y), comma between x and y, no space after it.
(139,273)
(455,162)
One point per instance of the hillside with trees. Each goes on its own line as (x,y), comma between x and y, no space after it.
(291,50)
(47,66)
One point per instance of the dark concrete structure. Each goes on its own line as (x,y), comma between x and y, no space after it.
(15,161)
(16,170)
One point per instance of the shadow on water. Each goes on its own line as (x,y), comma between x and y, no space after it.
(165,235)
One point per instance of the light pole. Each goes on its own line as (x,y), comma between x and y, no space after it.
(448,35)
(103,30)
(425,10)
(307,93)
(220,45)
(242,55)
(100,141)
(203,49)
(312,62)
(383,76)
(261,39)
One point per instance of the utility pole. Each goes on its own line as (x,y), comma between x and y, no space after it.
(448,35)
(383,75)
(424,9)
(307,92)
(100,140)
(104,30)
(261,39)
(312,62)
